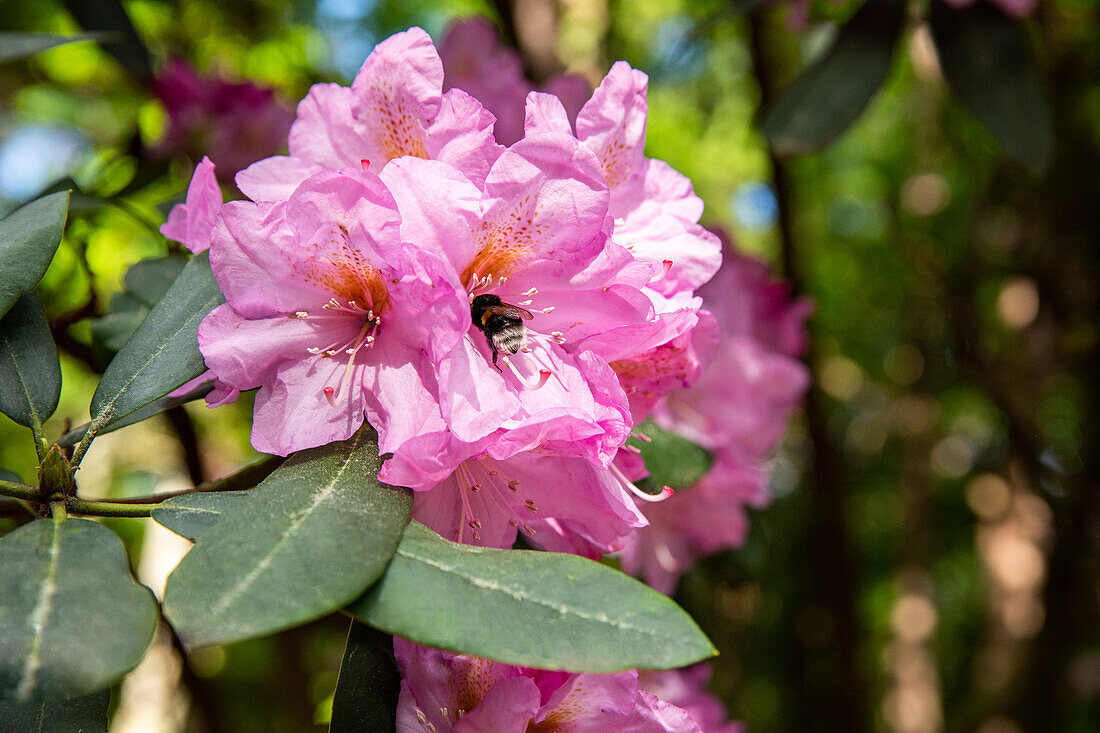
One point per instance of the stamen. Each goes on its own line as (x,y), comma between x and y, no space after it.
(530,292)
(633,449)
(526,302)
(666,491)
(641,436)
(529,529)
(513,484)
(548,309)
(299,314)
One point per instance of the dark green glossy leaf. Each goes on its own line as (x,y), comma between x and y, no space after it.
(189,515)
(149,280)
(21,45)
(83,714)
(831,94)
(30,373)
(312,537)
(153,408)
(28,239)
(987,60)
(124,43)
(72,620)
(163,353)
(671,460)
(366,693)
(534,609)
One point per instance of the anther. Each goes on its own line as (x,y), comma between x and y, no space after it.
(529,529)
(530,292)
(633,449)
(475,488)
(548,309)
(526,302)
(475,524)
(513,484)
(299,314)
(513,523)
(641,436)
(314,349)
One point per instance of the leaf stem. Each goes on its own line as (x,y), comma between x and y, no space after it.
(17,490)
(82,447)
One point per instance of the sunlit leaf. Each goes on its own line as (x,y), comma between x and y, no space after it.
(369,683)
(535,609)
(28,239)
(832,93)
(30,373)
(987,60)
(83,714)
(671,460)
(143,286)
(164,352)
(72,620)
(310,538)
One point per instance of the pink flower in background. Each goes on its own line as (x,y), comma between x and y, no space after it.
(395,107)
(687,689)
(329,314)
(234,123)
(453,693)
(738,409)
(1015,8)
(475,62)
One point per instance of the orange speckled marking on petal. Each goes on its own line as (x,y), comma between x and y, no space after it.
(338,268)
(392,119)
(504,244)
(570,710)
(471,682)
(615,159)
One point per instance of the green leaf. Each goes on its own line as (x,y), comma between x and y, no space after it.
(534,609)
(164,351)
(671,460)
(987,60)
(84,714)
(369,683)
(832,93)
(72,620)
(28,239)
(153,408)
(189,515)
(21,45)
(30,373)
(312,537)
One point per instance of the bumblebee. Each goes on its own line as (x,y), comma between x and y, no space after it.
(502,324)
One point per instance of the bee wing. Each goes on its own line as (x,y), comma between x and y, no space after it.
(510,311)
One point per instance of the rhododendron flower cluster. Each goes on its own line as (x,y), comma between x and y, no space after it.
(503,317)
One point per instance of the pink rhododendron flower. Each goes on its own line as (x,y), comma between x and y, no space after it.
(329,314)
(560,503)
(535,239)
(654,208)
(234,123)
(1015,8)
(395,107)
(475,62)
(738,409)
(687,689)
(453,693)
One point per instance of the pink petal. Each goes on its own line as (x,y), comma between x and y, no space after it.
(192,222)
(396,94)
(462,135)
(274,178)
(545,113)
(326,133)
(613,122)
(507,708)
